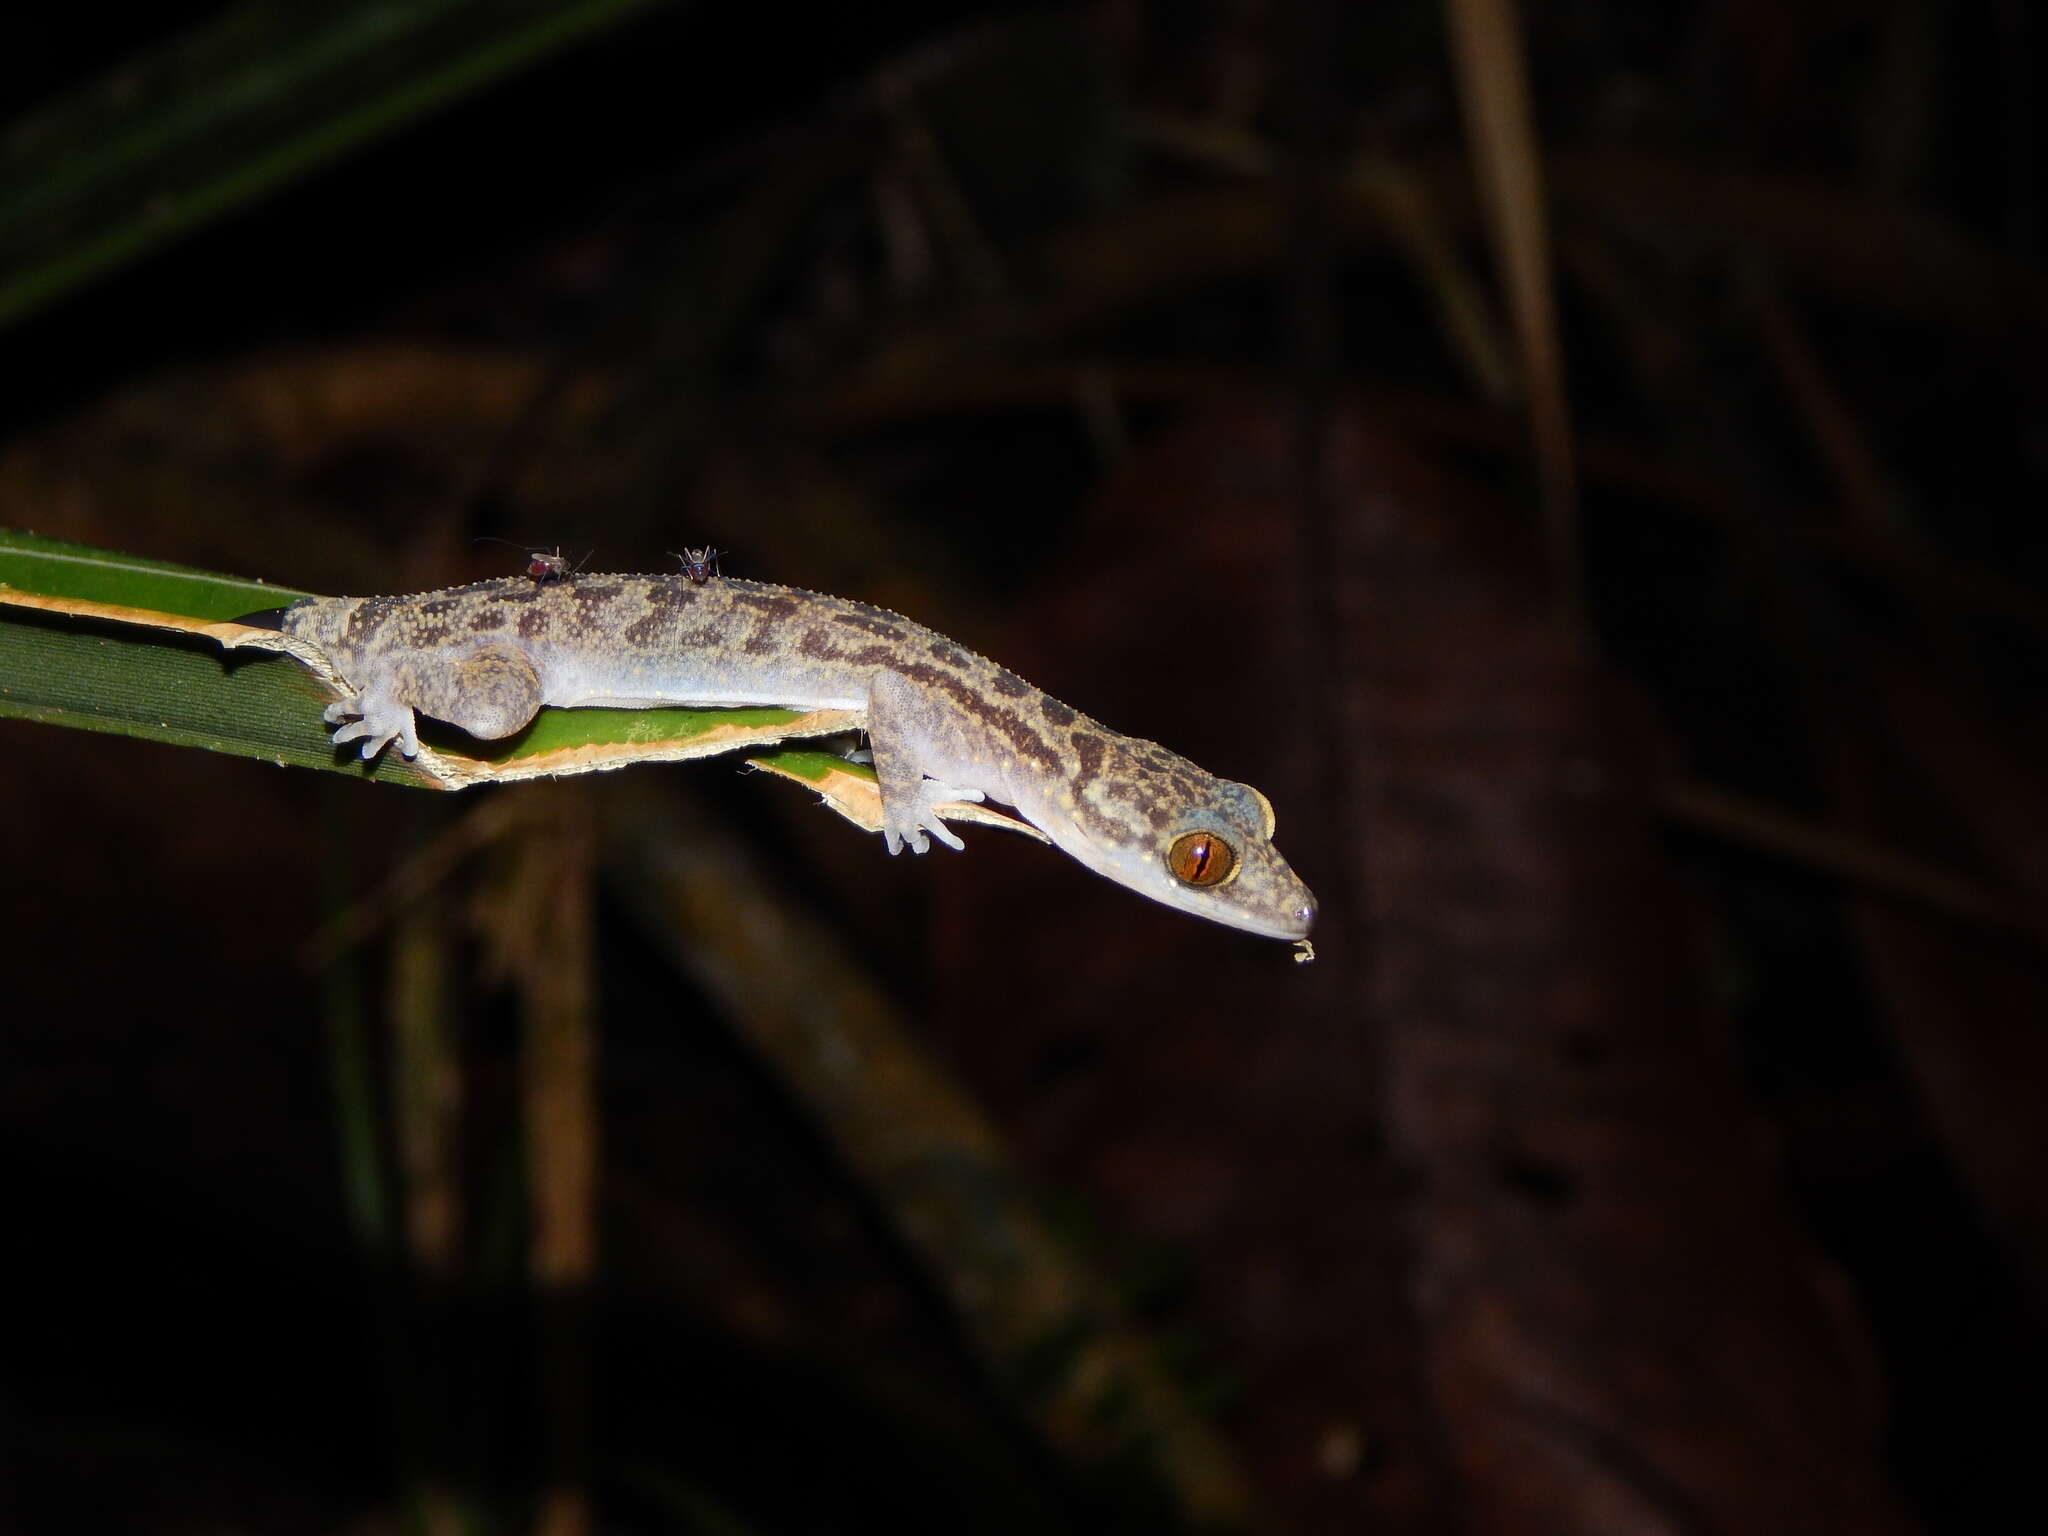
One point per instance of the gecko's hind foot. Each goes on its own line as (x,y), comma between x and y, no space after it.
(374,723)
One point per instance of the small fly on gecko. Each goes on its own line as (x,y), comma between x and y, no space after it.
(542,565)
(700,565)
(548,565)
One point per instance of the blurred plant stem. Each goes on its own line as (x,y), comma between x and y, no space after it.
(1043,1326)
(426,1100)
(537,926)
(1493,89)
(427,1090)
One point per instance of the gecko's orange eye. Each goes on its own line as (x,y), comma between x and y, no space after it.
(1201,858)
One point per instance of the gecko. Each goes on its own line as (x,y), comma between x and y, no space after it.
(943,723)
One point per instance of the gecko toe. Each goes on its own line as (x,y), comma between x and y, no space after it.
(914,840)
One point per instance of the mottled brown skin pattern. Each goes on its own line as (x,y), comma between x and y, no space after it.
(945,723)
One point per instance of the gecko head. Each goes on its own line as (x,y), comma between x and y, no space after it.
(1196,842)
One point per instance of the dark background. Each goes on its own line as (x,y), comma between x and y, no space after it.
(1655,1144)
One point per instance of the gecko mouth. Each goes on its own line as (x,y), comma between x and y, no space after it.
(1293,925)
(1294,929)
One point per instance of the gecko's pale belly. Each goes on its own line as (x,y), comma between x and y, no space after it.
(703,696)
(577,682)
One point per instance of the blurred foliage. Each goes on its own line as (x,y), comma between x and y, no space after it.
(255,101)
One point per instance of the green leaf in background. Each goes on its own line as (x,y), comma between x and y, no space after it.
(247,104)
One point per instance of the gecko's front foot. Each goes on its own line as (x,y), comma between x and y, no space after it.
(907,825)
(375,723)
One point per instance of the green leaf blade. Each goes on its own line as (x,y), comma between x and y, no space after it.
(182,690)
(49,567)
